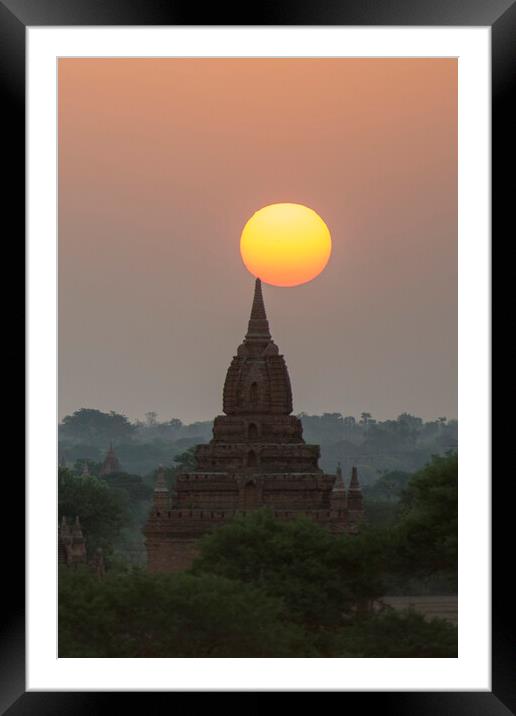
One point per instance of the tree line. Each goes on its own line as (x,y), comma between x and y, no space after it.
(405,443)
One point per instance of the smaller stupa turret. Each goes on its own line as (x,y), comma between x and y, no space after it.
(355,497)
(71,542)
(161,497)
(338,494)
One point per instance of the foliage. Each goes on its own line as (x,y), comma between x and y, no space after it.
(383,497)
(94,426)
(392,634)
(102,511)
(425,537)
(381,514)
(137,614)
(262,587)
(319,576)
(185,461)
(92,466)
(389,486)
(132,485)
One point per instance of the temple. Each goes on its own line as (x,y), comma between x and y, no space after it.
(71,548)
(256,458)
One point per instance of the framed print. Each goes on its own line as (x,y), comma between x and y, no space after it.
(203,513)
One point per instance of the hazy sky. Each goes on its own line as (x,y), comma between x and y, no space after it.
(162,162)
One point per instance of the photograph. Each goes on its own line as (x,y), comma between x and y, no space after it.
(257,360)
(258,269)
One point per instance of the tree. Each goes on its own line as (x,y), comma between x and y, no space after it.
(101,510)
(411,421)
(185,461)
(389,487)
(132,485)
(332,426)
(425,538)
(94,426)
(319,576)
(138,614)
(393,634)
(152,418)
(382,498)
(84,463)
(366,419)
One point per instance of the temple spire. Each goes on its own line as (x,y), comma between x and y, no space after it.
(338,499)
(258,307)
(258,324)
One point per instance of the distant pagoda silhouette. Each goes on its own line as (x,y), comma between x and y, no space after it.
(257,458)
(110,464)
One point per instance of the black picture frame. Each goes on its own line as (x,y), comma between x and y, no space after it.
(15,17)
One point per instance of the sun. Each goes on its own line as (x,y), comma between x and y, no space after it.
(285,244)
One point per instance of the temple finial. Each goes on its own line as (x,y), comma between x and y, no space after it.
(258,307)
(258,324)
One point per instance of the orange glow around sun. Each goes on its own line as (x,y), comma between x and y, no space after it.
(285,244)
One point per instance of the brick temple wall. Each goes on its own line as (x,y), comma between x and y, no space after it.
(172,545)
(164,555)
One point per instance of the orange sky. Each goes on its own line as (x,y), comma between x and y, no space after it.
(162,162)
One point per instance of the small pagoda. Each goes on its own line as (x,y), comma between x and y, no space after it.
(111,464)
(71,544)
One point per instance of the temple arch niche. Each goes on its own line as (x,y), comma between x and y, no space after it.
(250,496)
(252,431)
(252,459)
